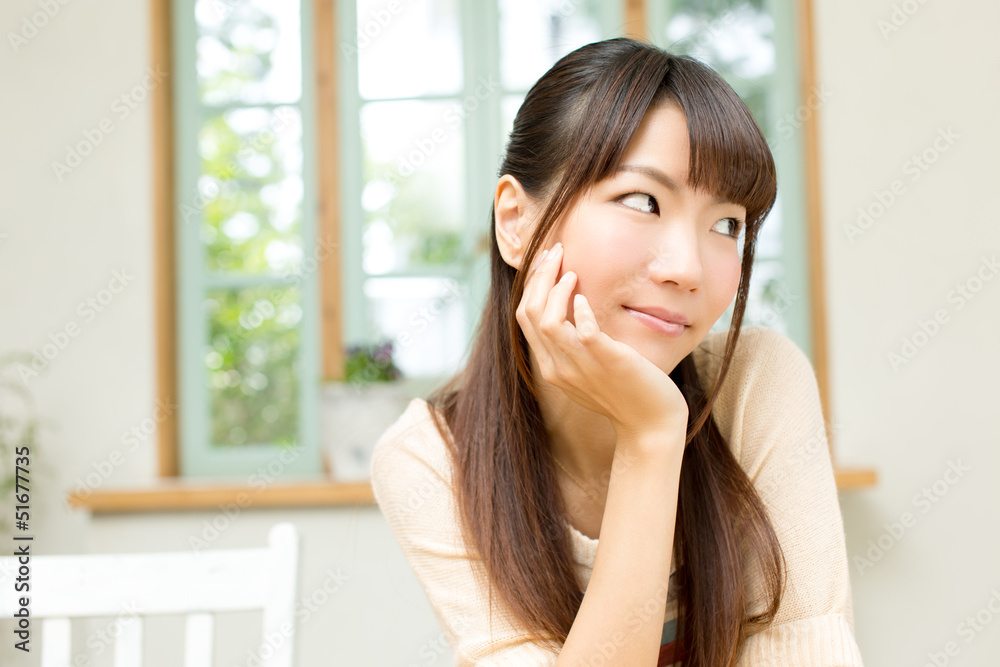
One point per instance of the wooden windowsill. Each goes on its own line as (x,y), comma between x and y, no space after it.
(170,495)
(852,479)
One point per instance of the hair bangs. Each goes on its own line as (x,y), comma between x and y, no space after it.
(730,157)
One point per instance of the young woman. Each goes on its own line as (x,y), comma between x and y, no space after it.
(607,482)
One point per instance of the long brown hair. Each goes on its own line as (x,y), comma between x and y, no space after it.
(572,131)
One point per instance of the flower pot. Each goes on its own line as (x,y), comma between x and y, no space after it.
(353,417)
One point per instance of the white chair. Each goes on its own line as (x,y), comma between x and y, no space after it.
(193,583)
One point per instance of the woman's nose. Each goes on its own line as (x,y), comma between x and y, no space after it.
(676,258)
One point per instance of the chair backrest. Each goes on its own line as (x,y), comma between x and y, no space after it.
(195,583)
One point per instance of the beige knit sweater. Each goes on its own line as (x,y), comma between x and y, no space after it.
(770,413)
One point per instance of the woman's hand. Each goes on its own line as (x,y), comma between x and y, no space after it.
(598,372)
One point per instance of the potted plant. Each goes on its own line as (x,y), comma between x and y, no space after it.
(357,411)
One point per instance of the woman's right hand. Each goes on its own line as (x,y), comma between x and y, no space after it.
(598,372)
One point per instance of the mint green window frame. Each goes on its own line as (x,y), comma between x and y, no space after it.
(198,457)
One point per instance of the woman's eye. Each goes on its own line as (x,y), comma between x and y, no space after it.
(640,202)
(733,227)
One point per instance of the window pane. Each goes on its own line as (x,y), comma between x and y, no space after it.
(414,50)
(735,38)
(414,180)
(424,317)
(770,297)
(251,365)
(249,51)
(250,191)
(769,240)
(534,34)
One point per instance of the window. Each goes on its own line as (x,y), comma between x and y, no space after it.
(245,233)
(426,94)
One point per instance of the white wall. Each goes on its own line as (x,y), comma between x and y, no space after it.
(890,96)
(64,241)
(60,243)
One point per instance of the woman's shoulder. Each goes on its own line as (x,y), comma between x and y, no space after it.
(761,353)
(410,449)
(770,385)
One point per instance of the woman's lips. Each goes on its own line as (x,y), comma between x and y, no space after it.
(671,329)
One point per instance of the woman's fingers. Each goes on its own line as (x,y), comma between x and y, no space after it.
(542,278)
(534,297)
(598,372)
(586,323)
(553,322)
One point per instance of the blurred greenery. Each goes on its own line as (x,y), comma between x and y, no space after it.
(222,79)
(410,211)
(251,364)
(244,228)
(250,224)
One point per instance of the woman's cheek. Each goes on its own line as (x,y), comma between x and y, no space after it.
(729,272)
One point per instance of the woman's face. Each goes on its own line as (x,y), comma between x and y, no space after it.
(642,239)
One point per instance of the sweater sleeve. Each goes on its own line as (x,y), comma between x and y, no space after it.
(777,421)
(411,477)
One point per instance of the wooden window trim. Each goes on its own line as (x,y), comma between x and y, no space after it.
(164,246)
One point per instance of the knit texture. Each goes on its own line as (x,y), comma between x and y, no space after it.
(770,413)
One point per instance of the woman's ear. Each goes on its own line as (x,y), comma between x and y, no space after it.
(514,214)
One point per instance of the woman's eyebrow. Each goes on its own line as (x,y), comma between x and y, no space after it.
(661,177)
